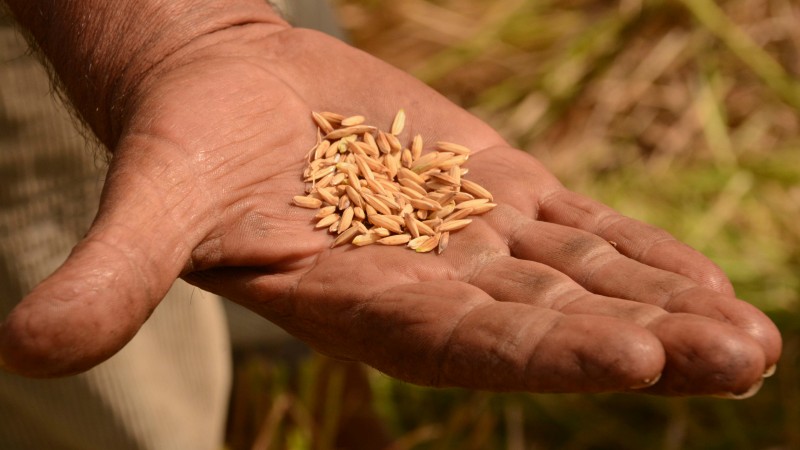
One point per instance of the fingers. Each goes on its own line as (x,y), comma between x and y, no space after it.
(367,304)
(448,333)
(703,356)
(598,267)
(97,300)
(637,240)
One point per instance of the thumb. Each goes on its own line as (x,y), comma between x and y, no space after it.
(92,305)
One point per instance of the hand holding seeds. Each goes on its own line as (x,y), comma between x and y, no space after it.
(216,156)
(359,180)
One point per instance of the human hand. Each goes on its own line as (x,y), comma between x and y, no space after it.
(531,296)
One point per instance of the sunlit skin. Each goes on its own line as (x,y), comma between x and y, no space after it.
(549,292)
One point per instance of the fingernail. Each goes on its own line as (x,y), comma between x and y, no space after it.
(747,394)
(770,371)
(646,383)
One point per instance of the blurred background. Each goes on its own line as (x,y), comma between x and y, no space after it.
(681,113)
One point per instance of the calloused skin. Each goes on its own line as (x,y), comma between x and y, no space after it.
(532,296)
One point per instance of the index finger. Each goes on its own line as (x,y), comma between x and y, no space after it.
(637,240)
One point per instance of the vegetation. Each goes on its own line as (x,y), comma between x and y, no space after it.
(682,113)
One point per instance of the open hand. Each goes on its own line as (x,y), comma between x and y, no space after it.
(550,291)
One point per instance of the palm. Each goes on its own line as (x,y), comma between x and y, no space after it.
(514,303)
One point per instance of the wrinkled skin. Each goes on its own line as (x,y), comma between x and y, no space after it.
(532,296)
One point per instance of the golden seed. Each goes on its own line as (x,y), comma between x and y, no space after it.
(383,143)
(391,166)
(429,244)
(396,219)
(424,228)
(327,221)
(332,117)
(446,210)
(319,173)
(433,223)
(376,187)
(370,141)
(455,161)
(388,185)
(345,237)
(446,179)
(352,121)
(380,231)
(475,189)
(322,122)
(399,123)
(429,161)
(486,207)
(462,197)
(363,167)
(443,241)
(411,175)
(306,202)
(425,204)
(358,213)
(389,201)
(410,193)
(459,214)
(335,148)
(376,203)
(321,149)
(385,222)
(344,166)
(338,178)
(453,225)
(472,203)
(354,196)
(415,243)
(368,149)
(344,202)
(327,196)
(364,239)
(325,181)
(411,224)
(394,143)
(416,147)
(443,146)
(406,158)
(409,184)
(455,172)
(352,178)
(443,198)
(397,239)
(349,131)
(346,220)
(325,211)
(355,148)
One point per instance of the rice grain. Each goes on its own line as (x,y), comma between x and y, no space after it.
(367,187)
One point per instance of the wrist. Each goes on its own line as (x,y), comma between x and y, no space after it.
(100,51)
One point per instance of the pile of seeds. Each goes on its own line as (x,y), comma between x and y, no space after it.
(369,188)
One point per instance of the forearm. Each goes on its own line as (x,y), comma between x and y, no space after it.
(100,50)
